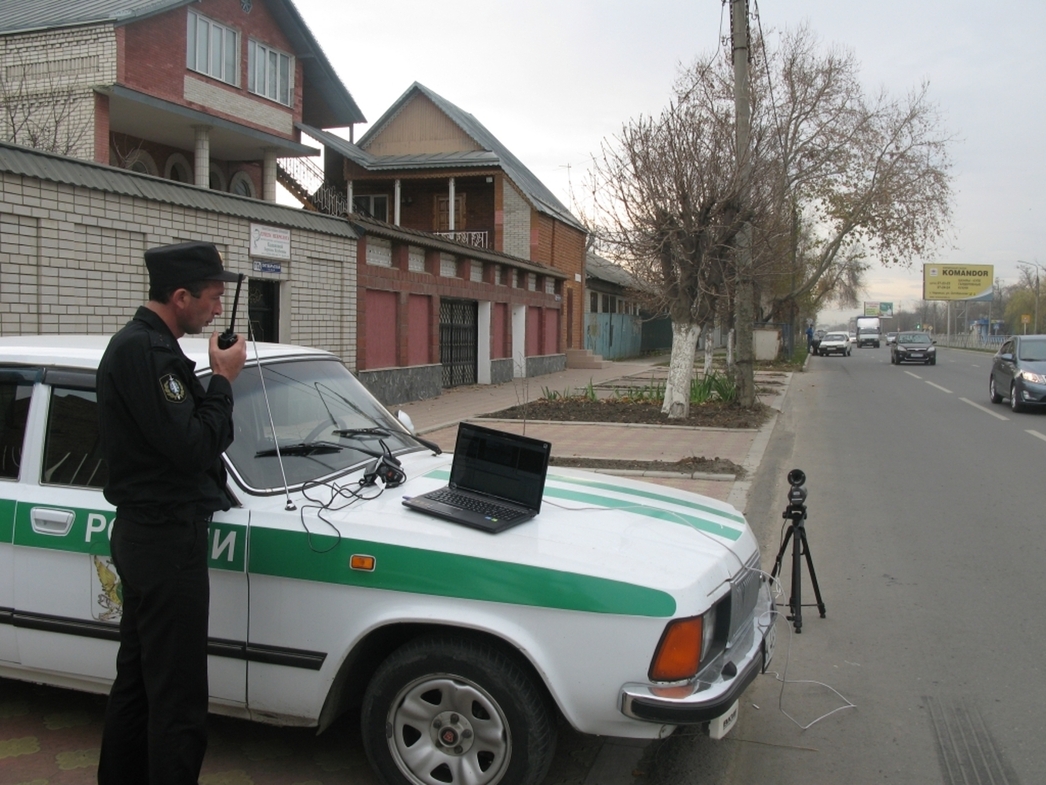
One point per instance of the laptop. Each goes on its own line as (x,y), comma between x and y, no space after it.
(496,480)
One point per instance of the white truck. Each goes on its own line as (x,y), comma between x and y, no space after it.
(869,331)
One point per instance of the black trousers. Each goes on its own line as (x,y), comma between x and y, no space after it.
(156,717)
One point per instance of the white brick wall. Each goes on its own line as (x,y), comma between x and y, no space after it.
(416,259)
(517,222)
(71,262)
(56,69)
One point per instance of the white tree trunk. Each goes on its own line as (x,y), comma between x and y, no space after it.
(708,353)
(730,349)
(681,370)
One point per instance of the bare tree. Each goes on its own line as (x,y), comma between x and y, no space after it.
(838,179)
(866,177)
(666,197)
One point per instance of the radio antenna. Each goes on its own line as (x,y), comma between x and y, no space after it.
(290,506)
(228,338)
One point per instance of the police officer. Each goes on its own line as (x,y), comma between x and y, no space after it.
(163,434)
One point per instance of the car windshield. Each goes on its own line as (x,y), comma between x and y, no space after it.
(1033,350)
(915,338)
(323,420)
(835,337)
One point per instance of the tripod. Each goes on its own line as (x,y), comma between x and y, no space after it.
(796,513)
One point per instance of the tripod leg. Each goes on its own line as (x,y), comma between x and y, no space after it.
(781,552)
(813,575)
(796,602)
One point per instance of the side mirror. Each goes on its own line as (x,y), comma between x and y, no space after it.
(1007,357)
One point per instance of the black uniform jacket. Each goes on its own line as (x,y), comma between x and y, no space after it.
(162,433)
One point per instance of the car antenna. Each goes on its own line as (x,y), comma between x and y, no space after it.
(290,506)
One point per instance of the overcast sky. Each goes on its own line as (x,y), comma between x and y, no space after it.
(553,78)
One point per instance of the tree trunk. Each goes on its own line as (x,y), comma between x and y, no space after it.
(681,370)
(708,353)
(730,350)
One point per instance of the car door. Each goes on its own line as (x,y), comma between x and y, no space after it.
(16,389)
(67,594)
(1005,366)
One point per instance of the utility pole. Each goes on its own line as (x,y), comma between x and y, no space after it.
(744,307)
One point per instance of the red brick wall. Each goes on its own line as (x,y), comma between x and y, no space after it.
(499,316)
(380,348)
(563,247)
(419,319)
(533,342)
(550,332)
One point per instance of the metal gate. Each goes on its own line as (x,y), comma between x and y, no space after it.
(457,341)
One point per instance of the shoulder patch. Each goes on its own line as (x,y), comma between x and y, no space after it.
(173,388)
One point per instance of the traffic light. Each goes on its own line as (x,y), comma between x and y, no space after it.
(918,327)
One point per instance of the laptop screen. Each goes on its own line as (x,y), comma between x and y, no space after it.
(500,464)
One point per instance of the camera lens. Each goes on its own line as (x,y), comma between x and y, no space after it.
(796,477)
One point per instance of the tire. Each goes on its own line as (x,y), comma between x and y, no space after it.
(500,723)
(1015,403)
(933,361)
(993,394)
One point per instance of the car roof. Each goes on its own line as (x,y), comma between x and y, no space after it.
(85,351)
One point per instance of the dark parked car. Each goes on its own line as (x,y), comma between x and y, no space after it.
(913,348)
(1019,372)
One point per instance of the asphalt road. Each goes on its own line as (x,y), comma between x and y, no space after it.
(927,534)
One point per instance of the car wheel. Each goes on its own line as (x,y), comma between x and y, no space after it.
(933,361)
(445,709)
(993,394)
(1015,402)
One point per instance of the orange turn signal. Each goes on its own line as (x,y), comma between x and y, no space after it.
(361,562)
(679,652)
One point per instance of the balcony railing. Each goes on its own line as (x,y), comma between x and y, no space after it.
(475,239)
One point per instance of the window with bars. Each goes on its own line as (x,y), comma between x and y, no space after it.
(212,49)
(270,73)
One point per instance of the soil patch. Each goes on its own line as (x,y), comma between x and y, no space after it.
(713,414)
(684,466)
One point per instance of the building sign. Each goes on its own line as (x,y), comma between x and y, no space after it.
(266,267)
(270,242)
(882,310)
(958,281)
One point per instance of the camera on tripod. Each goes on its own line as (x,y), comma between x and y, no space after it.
(795,512)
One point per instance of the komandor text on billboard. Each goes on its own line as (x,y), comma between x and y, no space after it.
(958,281)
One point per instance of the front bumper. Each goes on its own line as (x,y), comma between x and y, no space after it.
(915,357)
(708,696)
(1030,393)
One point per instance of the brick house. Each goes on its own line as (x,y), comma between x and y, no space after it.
(424,154)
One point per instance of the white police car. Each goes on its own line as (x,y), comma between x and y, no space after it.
(625,607)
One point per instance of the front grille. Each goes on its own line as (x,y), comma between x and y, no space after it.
(744,594)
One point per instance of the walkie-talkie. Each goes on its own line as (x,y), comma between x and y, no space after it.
(228,338)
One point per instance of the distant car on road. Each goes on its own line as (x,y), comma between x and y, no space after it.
(835,343)
(913,348)
(1019,372)
(891,338)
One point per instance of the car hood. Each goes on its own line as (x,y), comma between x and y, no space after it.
(600,543)
(1035,366)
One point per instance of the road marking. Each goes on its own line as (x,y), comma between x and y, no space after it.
(984,409)
(942,389)
(975,366)
(913,375)
(1037,435)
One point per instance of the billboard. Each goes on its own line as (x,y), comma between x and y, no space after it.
(882,310)
(958,281)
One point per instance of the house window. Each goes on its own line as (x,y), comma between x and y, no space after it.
(212,49)
(374,206)
(270,73)
(241,185)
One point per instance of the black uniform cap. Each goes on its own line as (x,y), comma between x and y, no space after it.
(174,266)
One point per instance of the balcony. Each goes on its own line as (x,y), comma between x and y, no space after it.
(475,239)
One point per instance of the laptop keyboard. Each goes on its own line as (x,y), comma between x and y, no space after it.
(472,504)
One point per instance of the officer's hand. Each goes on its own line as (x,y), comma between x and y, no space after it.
(227,362)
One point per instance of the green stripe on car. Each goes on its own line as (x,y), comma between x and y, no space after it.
(326,558)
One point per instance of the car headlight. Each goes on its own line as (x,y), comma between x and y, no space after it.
(1034,378)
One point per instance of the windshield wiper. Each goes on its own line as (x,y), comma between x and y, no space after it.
(349,433)
(301,448)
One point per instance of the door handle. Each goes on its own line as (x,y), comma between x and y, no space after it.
(56,523)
